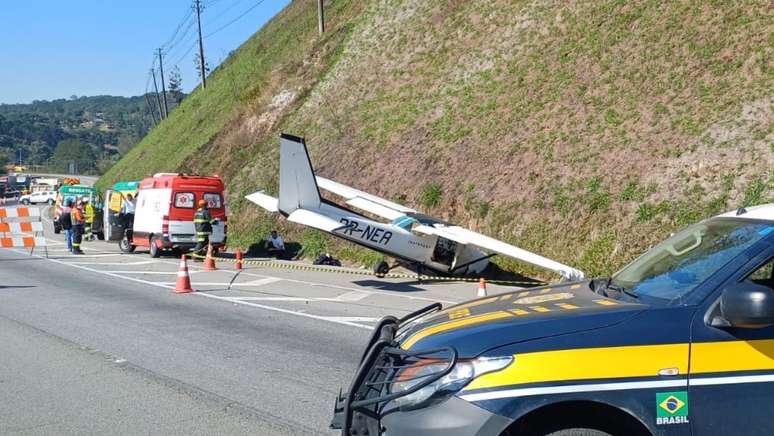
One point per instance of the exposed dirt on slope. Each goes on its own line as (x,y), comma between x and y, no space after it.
(583,130)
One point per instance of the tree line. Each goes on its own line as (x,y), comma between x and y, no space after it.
(91,133)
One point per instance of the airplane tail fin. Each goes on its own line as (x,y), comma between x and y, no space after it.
(297,185)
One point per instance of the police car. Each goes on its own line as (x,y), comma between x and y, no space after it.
(679,342)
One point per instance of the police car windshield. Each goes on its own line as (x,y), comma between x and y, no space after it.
(675,267)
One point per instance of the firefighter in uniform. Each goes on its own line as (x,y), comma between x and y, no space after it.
(78,222)
(203,222)
(88,214)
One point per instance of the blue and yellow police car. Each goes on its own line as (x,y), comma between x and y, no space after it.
(679,342)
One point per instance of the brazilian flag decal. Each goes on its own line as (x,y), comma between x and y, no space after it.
(672,407)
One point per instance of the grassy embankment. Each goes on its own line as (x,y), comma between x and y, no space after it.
(583,131)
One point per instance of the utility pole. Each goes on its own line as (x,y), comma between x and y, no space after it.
(163,86)
(158,99)
(320,17)
(198,6)
(150,109)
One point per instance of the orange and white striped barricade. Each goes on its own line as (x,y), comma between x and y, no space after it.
(21,227)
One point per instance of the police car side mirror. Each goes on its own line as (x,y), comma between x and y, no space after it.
(746,305)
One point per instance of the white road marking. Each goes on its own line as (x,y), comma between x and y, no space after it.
(271,298)
(354,318)
(332,319)
(140,262)
(87,256)
(343,298)
(206,295)
(332,286)
(223,284)
(352,296)
(261,282)
(153,272)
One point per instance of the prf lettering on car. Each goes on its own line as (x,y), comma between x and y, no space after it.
(678,342)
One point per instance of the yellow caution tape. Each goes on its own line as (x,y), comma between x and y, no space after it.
(319,268)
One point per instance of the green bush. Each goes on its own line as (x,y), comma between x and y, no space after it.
(431,195)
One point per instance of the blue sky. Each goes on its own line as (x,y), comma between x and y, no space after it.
(57,48)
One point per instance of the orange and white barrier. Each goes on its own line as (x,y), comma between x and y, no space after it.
(20,227)
(23,242)
(20,212)
(35,226)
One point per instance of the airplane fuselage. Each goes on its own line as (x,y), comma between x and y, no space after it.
(401,243)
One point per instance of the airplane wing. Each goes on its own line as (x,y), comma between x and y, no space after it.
(314,219)
(365,201)
(265,201)
(469,237)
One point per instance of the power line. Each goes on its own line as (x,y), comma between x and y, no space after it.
(179,26)
(182,37)
(235,19)
(185,54)
(224,11)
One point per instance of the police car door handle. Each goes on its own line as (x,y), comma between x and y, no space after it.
(669,371)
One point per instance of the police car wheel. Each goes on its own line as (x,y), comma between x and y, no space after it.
(579,432)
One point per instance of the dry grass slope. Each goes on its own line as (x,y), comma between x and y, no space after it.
(584,130)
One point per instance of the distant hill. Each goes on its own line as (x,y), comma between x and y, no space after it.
(109,125)
(585,131)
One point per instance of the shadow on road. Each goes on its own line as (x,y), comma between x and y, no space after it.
(388,286)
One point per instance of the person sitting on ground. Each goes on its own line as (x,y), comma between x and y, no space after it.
(275,245)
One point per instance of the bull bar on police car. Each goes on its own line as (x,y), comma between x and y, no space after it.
(383,360)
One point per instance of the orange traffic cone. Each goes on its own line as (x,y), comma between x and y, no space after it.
(482,287)
(209,261)
(238,259)
(183,285)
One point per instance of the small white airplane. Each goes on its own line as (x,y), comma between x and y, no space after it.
(416,239)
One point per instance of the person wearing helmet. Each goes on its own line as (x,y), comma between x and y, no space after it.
(88,214)
(203,222)
(78,221)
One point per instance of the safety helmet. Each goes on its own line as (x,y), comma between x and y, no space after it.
(85,199)
(202,202)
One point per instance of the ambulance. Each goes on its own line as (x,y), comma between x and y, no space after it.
(166,204)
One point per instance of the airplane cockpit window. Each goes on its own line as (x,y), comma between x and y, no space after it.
(444,251)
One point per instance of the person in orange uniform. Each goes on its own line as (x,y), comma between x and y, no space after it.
(78,220)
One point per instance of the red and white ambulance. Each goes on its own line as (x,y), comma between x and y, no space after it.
(166,204)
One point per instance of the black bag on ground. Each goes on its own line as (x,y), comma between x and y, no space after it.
(326,259)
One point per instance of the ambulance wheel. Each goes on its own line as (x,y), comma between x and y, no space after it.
(381,268)
(155,247)
(25,202)
(125,246)
(50,202)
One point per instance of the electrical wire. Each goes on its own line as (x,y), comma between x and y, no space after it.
(235,19)
(180,25)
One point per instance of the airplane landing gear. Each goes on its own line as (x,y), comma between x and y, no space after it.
(381,268)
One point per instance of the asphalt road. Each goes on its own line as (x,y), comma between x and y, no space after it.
(100,344)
